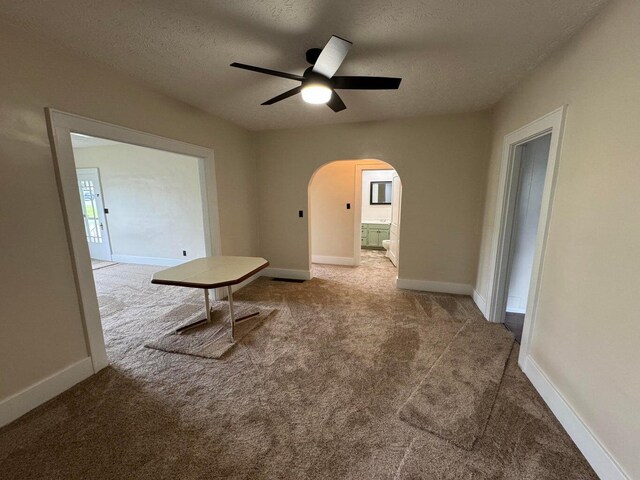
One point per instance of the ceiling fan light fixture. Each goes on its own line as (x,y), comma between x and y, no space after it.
(316,93)
(318,84)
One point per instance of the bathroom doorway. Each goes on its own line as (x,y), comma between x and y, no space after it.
(380,211)
(354,213)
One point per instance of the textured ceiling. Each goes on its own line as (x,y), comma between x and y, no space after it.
(453,55)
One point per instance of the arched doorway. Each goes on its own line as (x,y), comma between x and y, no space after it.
(354,207)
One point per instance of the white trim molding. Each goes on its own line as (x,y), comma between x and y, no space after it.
(286,273)
(496,300)
(480,302)
(22,402)
(333,260)
(437,287)
(600,459)
(60,126)
(161,262)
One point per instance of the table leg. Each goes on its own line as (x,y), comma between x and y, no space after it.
(235,320)
(207,304)
(231,312)
(197,323)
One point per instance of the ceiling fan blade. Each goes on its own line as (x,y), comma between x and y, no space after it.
(335,103)
(332,56)
(266,71)
(282,96)
(366,83)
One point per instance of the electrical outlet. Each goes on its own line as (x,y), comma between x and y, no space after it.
(184,253)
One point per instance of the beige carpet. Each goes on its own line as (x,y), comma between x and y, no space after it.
(455,398)
(314,395)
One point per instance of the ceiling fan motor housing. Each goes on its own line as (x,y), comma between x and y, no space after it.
(313,54)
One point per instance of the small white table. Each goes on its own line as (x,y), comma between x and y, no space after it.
(212,272)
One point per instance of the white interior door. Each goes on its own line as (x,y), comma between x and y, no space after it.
(95,223)
(394,234)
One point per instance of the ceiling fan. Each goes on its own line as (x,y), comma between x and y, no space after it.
(318,83)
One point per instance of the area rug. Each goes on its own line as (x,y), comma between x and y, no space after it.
(455,398)
(212,340)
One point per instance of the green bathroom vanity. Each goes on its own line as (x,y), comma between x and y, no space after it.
(372,234)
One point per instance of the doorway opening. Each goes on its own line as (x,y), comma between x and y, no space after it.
(380,212)
(64,130)
(526,187)
(143,210)
(354,213)
(530,168)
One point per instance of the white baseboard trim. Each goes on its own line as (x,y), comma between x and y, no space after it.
(596,454)
(162,262)
(333,260)
(516,310)
(438,287)
(480,302)
(40,392)
(286,273)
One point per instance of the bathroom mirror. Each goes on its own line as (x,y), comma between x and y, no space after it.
(380,193)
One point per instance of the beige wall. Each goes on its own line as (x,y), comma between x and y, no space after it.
(330,190)
(587,327)
(441,161)
(154,200)
(40,328)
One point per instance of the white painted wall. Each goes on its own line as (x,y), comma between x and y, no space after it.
(374,212)
(533,167)
(154,201)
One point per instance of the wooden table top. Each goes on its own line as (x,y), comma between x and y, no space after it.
(210,272)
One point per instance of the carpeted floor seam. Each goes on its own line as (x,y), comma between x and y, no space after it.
(457,395)
(493,403)
(404,459)
(423,379)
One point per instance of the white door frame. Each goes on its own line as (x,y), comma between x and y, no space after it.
(394,247)
(360,167)
(60,126)
(507,188)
